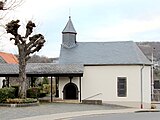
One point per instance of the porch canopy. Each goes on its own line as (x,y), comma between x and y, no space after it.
(43,70)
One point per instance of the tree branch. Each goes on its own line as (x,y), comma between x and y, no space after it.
(27,57)
(29,28)
(12,28)
(35,44)
(1,5)
(10,5)
(34,40)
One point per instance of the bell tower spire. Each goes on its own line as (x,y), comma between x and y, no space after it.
(69,35)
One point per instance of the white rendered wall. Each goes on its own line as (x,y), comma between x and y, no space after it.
(103,80)
(65,80)
(1,81)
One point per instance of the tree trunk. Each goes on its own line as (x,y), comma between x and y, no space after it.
(22,72)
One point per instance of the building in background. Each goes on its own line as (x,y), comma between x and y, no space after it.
(9,59)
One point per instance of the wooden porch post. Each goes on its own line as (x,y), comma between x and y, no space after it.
(7,81)
(31,83)
(80,88)
(57,86)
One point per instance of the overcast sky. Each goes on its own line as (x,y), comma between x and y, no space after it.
(94,20)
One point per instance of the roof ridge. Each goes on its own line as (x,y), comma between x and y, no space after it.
(107,42)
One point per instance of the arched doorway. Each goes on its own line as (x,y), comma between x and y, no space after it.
(70,91)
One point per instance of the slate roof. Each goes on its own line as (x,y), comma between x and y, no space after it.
(42,69)
(50,68)
(8,68)
(69,28)
(100,53)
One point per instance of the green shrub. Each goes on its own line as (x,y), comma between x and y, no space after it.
(47,88)
(45,80)
(30,100)
(7,92)
(33,92)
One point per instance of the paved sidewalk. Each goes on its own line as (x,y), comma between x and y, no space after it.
(57,109)
(68,115)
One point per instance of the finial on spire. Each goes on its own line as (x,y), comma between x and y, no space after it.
(69,13)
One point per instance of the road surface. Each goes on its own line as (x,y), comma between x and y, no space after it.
(124,116)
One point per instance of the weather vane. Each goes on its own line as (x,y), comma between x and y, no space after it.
(69,12)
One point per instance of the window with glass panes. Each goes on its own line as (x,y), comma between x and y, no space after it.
(121,86)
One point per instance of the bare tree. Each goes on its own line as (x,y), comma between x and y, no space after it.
(9,4)
(26,46)
(5,7)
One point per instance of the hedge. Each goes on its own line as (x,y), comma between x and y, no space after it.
(6,92)
(33,92)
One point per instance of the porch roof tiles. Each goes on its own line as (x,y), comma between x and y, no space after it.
(40,69)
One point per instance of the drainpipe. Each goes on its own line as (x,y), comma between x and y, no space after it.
(51,89)
(152,79)
(142,86)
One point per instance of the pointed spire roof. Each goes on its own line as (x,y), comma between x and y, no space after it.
(69,28)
